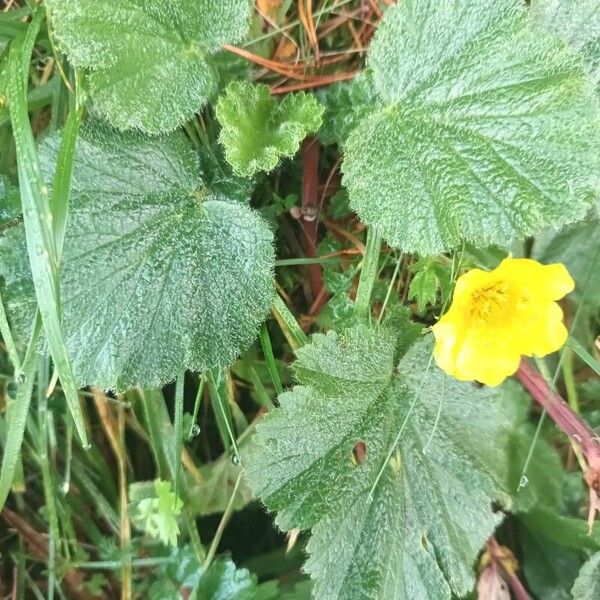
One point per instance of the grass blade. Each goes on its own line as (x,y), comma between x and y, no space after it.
(267,348)
(17,418)
(368,274)
(583,354)
(289,326)
(41,243)
(13,355)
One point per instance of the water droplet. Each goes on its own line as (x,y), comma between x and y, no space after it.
(194,431)
(235,459)
(64,488)
(524,481)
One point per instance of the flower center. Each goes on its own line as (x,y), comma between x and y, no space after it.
(489,303)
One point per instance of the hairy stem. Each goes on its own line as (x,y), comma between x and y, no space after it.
(310,209)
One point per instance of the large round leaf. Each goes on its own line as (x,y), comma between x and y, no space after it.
(147,61)
(489,131)
(158,273)
(317,459)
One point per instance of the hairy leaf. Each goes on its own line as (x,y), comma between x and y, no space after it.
(587,584)
(148,62)
(257,131)
(346,103)
(224,581)
(578,23)
(490,129)
(433,506)
(159,273)
(578,247)
(16,285)
(10,202)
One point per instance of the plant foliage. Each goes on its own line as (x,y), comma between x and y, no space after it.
(257,131)
(149,63)
(489,129)
(419,532)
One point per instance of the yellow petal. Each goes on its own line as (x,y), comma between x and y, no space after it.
(467,354)
(552,282)
(488,361)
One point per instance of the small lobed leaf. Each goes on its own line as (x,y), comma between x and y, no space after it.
(157,514)
(257,130)
(149,63)
(159,273)
(431,510)
(490,128)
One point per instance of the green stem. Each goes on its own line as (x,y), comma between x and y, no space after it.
(218,395)
(179,388)
(222,524)
(47,480)
(368,274)
(194,427)
(569,378)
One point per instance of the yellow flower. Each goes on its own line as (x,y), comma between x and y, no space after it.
(498,316)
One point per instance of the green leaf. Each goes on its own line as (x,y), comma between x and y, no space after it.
(423,288)
(224,581)
(429,276)
(578,23)
(543,483)
(10,203)
(157,514)
(489,132)
(346,103)
(44,242)
(257,130)
(182,572)
(587,584)
(433,502)
(549,568)
(17,419)
(578,248)
(152,270)
(16,285)
(564,531)
(149,63)
(213,494)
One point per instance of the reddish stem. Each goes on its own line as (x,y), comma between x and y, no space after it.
(310,210)
(572,424)
(561,413)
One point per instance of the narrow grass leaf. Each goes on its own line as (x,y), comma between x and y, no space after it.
(41,245)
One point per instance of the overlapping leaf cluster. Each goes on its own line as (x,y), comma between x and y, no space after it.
(475,121)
